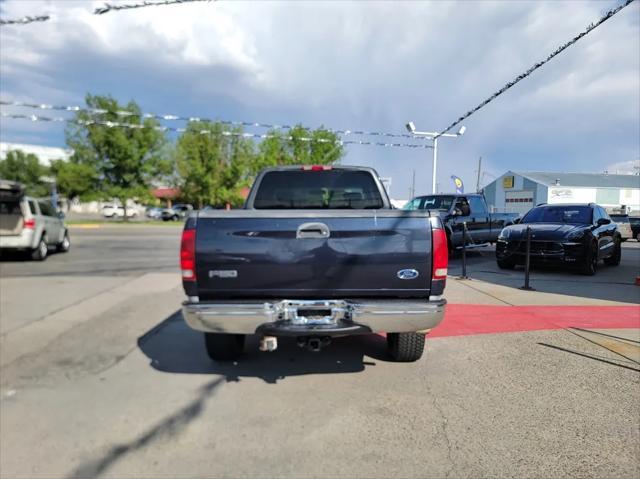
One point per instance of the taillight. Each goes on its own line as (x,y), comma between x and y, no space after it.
(188,255)
(440,254)
(316,168)
(29,224)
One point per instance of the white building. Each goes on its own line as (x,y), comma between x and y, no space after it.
(517,191)
(44,153)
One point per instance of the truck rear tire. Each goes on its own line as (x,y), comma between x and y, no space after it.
(405,347)
(223,347)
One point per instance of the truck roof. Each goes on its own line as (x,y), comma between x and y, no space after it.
(327,167)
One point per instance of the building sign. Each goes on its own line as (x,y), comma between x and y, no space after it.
(564,193)
(507,182)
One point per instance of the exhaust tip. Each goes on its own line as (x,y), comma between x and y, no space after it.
(268,343)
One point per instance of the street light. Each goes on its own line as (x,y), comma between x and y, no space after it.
(411,128)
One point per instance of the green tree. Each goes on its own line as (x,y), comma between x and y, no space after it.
(27,169)
(213,166)
(75,179)
(126,160)
(298,146)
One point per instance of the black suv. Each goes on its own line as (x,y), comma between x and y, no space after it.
(576,235)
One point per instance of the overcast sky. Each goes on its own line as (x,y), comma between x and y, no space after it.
(359,65)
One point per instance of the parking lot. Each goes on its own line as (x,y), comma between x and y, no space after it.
(100,377)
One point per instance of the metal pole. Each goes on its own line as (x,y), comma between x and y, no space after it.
(527,263)
(413,184)
(435,164)
(479,169)
(464,251)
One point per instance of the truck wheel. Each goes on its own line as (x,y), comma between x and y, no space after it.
(614,259)
(505,264)
(65,244)
(39,253)
(405,347)
(222,347)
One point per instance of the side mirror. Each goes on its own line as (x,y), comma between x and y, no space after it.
(604,221)
(61,215)
(517,221)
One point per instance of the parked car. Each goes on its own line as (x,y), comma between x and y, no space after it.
(176,212)
(624,225)
(28,224)
(573,235)
(634,221)
(454,210)
(111,210)
(154,213)
(317,252)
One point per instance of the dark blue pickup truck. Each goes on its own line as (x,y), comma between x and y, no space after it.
(455,210)
(317,252)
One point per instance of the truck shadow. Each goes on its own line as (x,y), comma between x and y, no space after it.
(173,347)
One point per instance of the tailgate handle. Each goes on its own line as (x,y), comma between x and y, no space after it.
(312,230)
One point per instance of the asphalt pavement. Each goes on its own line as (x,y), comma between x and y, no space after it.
(100,377)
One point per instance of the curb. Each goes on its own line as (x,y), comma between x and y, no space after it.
(85,226)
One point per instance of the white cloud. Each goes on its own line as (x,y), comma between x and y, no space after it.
(369,65)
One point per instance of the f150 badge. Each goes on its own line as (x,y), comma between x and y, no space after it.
(223,273)
(408,274)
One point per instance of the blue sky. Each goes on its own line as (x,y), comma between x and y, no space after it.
(352,65)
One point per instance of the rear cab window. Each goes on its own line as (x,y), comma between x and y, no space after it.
(619,218)
(325,189)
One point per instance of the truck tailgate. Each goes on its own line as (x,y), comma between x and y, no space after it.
(313,254)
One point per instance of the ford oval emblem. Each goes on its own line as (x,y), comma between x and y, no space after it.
(408,274)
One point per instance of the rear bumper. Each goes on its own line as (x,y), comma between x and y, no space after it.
(22,241)
(361,317)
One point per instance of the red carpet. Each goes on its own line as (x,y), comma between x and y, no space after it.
(466,319)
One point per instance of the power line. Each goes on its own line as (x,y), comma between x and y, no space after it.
(169,117)
(163,128)
(25,20)
(109,7)
(524,75)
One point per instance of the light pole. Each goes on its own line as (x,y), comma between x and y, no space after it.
(434,137)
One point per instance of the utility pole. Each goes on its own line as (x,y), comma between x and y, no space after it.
(479,175)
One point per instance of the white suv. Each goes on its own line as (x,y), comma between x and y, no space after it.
(111,210)
(28,224)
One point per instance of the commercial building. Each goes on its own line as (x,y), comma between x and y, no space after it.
(518,191)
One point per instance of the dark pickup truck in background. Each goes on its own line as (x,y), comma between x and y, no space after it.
(317,252)
(454,210)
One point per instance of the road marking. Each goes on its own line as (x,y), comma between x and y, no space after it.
(87,226)
(620,346)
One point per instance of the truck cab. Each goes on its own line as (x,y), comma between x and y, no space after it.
(460,210)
